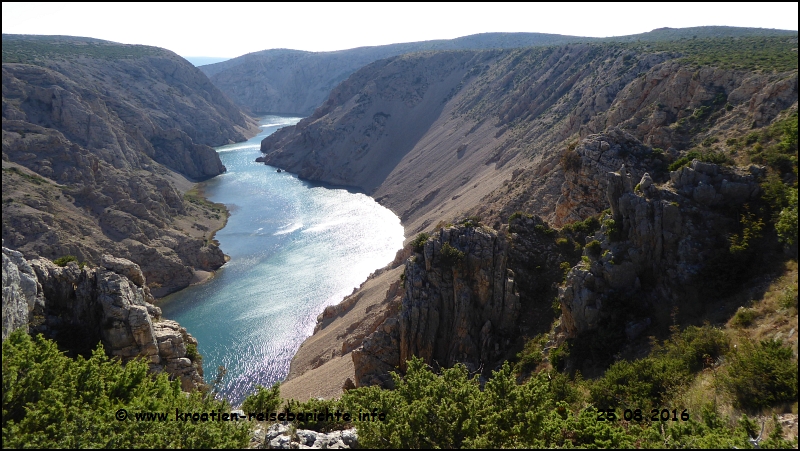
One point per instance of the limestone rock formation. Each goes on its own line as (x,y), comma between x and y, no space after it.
(21,292)
(656,243)
(79,307)
(280,436)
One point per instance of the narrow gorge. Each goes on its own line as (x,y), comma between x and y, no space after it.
(458,143)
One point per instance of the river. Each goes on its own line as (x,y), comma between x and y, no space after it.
(295,248)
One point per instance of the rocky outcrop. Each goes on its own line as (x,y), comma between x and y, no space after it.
(79,307)
(281,436)
(460,304)
(582,193)
(99,136)
(656,243)
(21,292)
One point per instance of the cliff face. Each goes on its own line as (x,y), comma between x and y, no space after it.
(95,137)
(440,135)
(80,307)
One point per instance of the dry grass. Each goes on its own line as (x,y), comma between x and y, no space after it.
(774,316)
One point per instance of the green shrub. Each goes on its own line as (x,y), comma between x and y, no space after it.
(472,221)
(264,400)
(585,227)
(563,242)
(642,383)
(751,231)
(519,214)
(705,156)
(450,255)
(565,266)
(593,247)
(320,422)
(762,375)
(418,244)
(542,228)
(192,354)
(530,357)
(62,261)
(558,356)
(53,401)
(744,317)
(789,298)
(786,225)
(694,345)
(751,138)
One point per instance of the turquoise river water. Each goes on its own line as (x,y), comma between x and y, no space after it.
(295,248)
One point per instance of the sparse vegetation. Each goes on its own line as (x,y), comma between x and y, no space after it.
(708,156)
(593,247)
(450,255)
(32,51)
(418,243)
(62,261)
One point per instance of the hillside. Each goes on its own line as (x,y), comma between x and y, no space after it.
(101,143)
(294,81)
(436,135)
(297,82)
(456,143)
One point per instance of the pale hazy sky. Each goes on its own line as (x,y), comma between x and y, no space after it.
(233,29)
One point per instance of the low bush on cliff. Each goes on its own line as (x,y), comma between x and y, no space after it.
(762,374)
(705,156)
(450,255)
(62,261)
(418,244)
(53,401)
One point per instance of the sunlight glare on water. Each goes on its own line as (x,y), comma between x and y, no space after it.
(295,248)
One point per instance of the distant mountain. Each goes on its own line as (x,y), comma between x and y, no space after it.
(294,81)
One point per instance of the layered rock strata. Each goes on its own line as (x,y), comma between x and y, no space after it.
(79,307)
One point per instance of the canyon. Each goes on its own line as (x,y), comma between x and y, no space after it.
(494,151)
(458,142)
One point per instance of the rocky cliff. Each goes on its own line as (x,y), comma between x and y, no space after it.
(79,307)
(100,140)
(540,131)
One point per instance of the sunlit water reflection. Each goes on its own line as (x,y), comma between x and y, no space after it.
(295,248)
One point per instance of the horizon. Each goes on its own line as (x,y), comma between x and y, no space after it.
(332,29)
